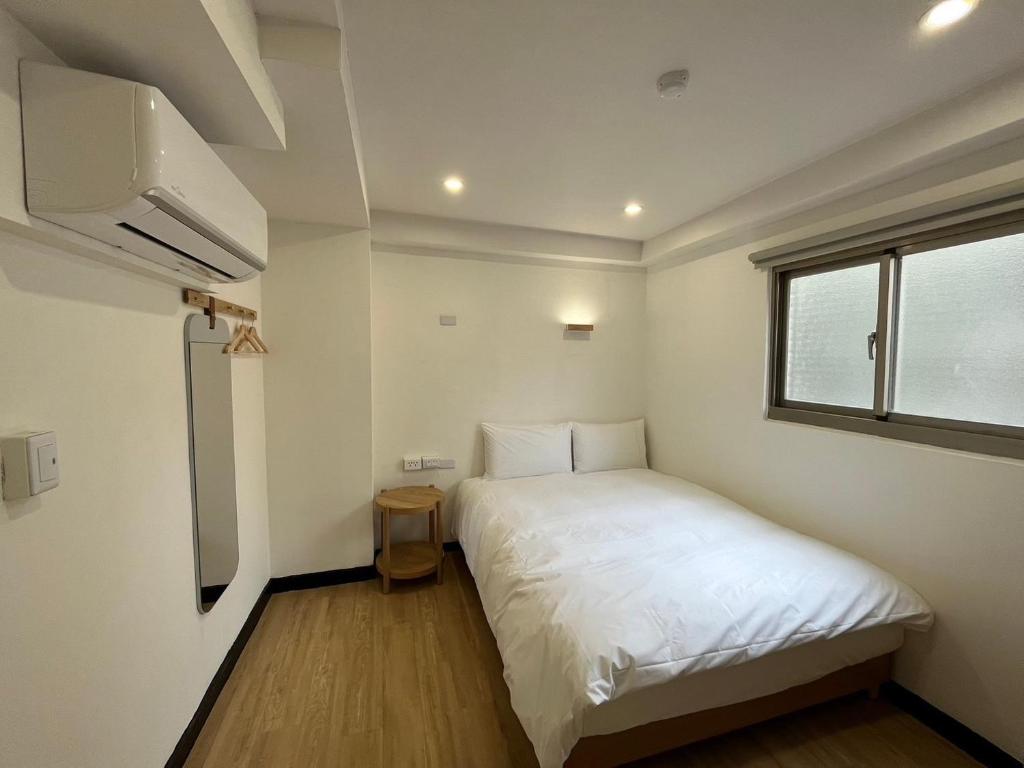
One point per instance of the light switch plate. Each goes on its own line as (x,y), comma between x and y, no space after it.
(30,464)
(46,458)
(436,462)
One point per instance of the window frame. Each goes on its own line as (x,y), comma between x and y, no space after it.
(880,420)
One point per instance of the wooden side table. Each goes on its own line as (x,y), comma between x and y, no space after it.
(411,559)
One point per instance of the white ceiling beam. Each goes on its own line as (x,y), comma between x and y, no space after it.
(319,179)
(392,230)
(863,174)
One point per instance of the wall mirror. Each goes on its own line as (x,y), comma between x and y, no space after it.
(211,434)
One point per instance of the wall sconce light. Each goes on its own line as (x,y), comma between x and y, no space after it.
(577,331)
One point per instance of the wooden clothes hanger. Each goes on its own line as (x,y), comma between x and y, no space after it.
(237,341)
(256,341)
(246,335)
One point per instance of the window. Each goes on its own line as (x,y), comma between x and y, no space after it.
(919,338)
(827,314)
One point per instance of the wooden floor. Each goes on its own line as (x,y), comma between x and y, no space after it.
(347,676)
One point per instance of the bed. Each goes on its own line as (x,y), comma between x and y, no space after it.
(635,611)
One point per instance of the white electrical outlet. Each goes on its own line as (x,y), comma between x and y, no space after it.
(412,463)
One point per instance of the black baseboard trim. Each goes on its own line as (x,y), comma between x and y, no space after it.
(191,735)
(322,579)
(333,578)
(949,728)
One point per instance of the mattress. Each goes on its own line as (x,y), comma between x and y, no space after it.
(618,598)
(720,687)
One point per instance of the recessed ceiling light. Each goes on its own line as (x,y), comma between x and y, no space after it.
(453,184)
(633,209)
(946,12)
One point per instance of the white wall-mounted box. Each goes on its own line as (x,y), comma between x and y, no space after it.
(30,464)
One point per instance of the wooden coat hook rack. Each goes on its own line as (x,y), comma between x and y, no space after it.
(244,334)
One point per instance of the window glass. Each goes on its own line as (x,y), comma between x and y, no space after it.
(960,348)
(829,317)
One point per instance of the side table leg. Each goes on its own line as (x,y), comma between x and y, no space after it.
(385,543)
(439,542)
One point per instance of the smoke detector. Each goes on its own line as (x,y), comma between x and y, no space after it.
(672,84)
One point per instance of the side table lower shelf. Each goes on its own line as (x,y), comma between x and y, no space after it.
(409,560)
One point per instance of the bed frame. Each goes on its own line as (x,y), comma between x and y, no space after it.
(614,749)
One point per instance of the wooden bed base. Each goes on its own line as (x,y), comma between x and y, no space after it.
(615,749)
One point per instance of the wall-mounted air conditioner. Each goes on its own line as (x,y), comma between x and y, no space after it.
(115,160)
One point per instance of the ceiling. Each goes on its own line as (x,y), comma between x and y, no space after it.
(549,109)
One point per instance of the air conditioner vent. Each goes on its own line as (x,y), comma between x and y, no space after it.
(186,256)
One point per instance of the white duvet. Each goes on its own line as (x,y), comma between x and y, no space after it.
(599,584)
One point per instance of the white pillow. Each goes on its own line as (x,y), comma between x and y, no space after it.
(596,447)
(522,451)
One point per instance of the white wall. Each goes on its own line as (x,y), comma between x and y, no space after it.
(506,360)
(949,524)
(103,654)
(317,299)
